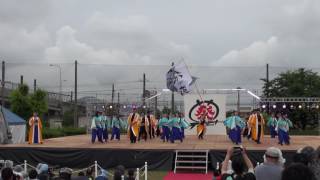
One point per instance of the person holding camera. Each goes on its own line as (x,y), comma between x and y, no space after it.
(241,166)
(35,131)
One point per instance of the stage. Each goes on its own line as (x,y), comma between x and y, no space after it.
(78,151)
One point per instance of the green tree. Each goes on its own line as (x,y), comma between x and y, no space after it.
(296,83)
(38,102)
(23,103)
(20,102)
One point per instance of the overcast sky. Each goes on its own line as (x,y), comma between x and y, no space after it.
(149,32)
(206,32)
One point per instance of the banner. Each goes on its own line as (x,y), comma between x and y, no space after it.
(213,104)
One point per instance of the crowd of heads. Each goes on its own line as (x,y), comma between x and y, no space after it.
(43,172)
(305,165)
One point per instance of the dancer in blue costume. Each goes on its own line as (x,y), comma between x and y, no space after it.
(272,123)
(105,125)
(235,124)
(164,127)
(283,126)
(183,124)
(96,128)
(116,125)
(175,129)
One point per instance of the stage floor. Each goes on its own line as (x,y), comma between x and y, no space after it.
(211,142)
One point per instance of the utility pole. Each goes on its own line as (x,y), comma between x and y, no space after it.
(172,102)
(112,99)
(238,99)
(144,90)
(3,83)
(118,106)
(34,85)
(21,79)
(267,86)
(155,105)
(75,120)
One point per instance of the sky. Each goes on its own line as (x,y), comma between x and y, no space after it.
(215,33)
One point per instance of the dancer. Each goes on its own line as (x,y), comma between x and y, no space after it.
(152,125)
(164,127)
(133,127)
(201,127)
(235,125)
(143,127)
(105,125)
(35,131)
(256,123)
(183,124)
(175,129)
(116,125)
(96,128)
(272,123)
(283,126)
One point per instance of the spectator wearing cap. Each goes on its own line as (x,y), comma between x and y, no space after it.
(272,166)
(42,170)
(65,173)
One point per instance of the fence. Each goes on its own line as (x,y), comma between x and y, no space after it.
(140,172)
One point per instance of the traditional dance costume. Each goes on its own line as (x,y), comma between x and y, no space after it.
(133,126)
(272,123)
(256,123)
(35,131)
(183,125)
(201,128)
(105,125)
(143,128)
(283,126)
(96,129)
(235,125)
(165,128)
(116,125)
(175,130)
(152,126)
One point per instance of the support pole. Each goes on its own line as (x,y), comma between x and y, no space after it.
(95,169)
(238,99)
(138,174)
(267,87)
(21,79)
(172,102)
(144,90)
(25,166)
(3,83)
(75,94)
(145,170)
(34,85)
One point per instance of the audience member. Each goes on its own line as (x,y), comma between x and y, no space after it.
(272,166)
(240,162)
(131,175)
(297,171)
(42,171)
(65,173)
(102,175)
(315,163)
(7,173)
(89,173)
(33,174)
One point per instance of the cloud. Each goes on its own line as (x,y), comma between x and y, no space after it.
(114,40)
(258,53)
(295,40)
(18,43)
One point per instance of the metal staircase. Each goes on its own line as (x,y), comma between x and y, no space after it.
(191,160)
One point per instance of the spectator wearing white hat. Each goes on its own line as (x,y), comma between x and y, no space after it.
(272,166)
